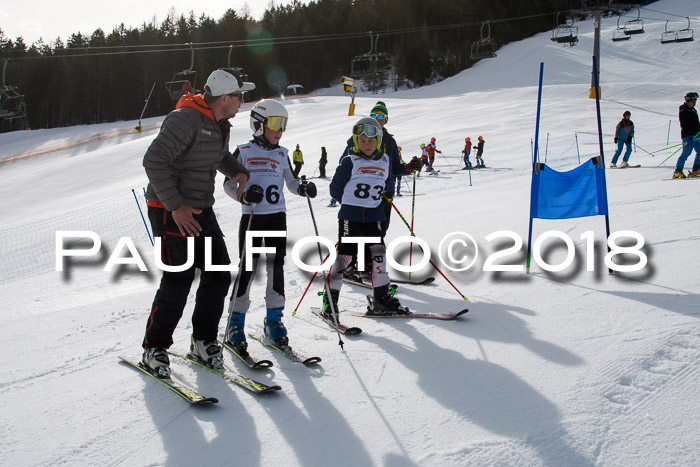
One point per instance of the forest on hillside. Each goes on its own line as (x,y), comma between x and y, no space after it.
(106,76)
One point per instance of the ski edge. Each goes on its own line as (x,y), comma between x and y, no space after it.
(256,387)
(443,316)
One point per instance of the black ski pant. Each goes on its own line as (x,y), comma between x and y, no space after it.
(171,297)
(274,296)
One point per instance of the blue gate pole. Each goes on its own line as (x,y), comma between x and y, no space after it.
(534,161)
(600,142)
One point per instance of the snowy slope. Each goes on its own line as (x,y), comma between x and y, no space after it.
(566,368)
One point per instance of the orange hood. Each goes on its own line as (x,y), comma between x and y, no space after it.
(195,101)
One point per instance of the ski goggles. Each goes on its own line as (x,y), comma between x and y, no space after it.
(276,123)
(379,116)
(366,129)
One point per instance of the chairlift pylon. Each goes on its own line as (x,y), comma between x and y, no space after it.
(565,33)
(634,26)
(485,47)
(372,62)
(183,81)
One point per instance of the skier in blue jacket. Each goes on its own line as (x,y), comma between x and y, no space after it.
(624,132)
(360,182)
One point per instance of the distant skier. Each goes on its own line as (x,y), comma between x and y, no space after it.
(322,163)
(690,132)
(298,159)
(479,151)
(432,149)
(424,159)
(466,152)
(624,132)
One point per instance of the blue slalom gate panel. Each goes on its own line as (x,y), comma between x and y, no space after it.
(580,192)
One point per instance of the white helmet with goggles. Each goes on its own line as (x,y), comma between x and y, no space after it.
(369,127)
(268,113)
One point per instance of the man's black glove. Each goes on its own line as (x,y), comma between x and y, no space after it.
(615,140)
(628,140)
(253,195)
(307,188)
(415,163)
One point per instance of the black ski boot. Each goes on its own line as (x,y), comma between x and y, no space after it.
(326,309)
(385,303)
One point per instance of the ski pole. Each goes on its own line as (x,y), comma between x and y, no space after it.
(652,155)
(668,135)
(148,232)
(413,213)
(237,284)
(294,313)
(446,161)
(413,234)
(577,151)
(672,154)
(327,284)
(469,169)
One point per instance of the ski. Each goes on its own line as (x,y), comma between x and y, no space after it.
(247,359)
(349,331)
(172,383)
(628,167)
(353,279)
(441,316)
(684,178)
(246,383)
(426,281)
(290,353)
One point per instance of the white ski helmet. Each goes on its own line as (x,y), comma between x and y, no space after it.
(263,113)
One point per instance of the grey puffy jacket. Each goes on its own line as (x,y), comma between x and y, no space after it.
(182,161)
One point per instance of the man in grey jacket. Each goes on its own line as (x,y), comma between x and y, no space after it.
(181,164)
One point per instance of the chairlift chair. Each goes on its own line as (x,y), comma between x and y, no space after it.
(183,81)
(241,72)
(12,103)
(634,26)
(668,36)
(372,62)
(565,33)
(485,47)
(685,34)
(619,33)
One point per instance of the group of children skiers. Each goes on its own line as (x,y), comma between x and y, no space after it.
(179,168)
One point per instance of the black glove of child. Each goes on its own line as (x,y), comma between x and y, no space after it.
(307,189)
(253,195)
(615,140)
